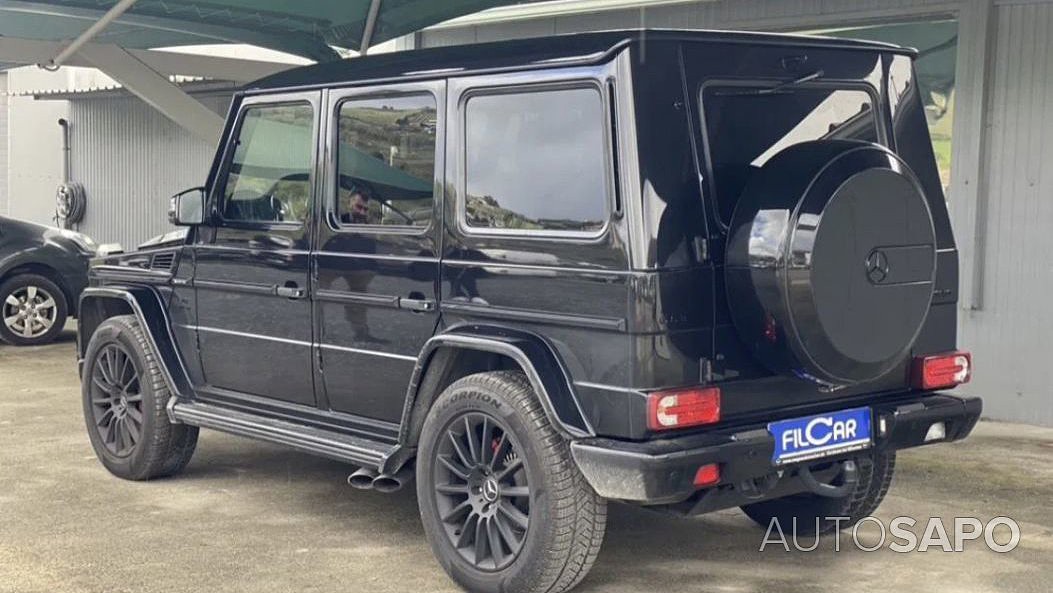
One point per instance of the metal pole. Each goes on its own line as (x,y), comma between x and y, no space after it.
(371,25)
(111,15)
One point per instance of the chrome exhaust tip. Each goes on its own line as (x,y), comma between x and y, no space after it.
(362,478)
(388,483)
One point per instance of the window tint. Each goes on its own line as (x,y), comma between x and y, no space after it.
(386,167)
(747,126)
(536,161)
(269,178)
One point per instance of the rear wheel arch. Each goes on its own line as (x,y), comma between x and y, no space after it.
(449,357)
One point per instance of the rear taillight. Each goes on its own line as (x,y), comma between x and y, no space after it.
(681,408)
(940,371)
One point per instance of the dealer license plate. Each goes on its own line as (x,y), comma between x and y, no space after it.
(812,437)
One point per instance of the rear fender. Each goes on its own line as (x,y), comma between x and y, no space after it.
(533,354)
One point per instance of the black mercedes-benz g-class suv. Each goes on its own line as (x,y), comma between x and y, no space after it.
(687,270)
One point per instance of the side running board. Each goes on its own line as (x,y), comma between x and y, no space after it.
(351,449)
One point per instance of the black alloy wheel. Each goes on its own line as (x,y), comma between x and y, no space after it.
(482,492)
(116,400)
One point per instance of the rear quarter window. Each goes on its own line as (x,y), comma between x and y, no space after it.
(536,161)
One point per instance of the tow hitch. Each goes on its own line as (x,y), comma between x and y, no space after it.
(849,477)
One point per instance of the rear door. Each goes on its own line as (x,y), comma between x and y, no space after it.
(376,266)
(253,261)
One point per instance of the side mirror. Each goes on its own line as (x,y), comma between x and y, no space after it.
(187,208)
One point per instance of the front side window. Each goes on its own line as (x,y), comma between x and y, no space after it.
(536,161)
(748,125)
(386,161)
(270,174)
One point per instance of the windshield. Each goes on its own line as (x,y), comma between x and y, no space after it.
(746,125)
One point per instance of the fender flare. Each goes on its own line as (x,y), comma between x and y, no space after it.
(148,307)
(536,356)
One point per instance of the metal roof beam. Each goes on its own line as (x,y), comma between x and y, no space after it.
(14,50)
(156,90)
(300,44)
(88,34)
(370,27)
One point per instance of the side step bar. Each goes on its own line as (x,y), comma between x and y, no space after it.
(351,449)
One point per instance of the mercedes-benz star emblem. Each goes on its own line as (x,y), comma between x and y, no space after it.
(877,266)
(490,489)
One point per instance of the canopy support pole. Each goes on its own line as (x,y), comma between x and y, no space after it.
(156,90)
(371,26)
(111,15)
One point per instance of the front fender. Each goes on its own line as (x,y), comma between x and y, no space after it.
(537,358)
(100,303)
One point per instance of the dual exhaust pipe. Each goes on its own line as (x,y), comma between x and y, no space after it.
(368,479)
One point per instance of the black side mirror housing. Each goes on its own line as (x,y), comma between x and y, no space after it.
(187,208)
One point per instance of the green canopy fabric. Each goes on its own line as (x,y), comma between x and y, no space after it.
(308,28)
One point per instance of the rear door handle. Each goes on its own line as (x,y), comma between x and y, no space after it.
(289,291)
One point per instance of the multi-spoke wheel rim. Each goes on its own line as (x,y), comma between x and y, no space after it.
(116,400)
(481,491)
(30,311)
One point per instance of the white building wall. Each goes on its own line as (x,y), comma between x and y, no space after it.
(3,143)
(34,167)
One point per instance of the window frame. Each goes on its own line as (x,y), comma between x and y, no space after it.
(336,99)
(706,167)
(509,85)
(217,199)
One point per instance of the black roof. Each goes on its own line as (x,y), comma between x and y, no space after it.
(576,48)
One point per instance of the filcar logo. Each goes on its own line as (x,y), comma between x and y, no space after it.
(877,266)
(820,431)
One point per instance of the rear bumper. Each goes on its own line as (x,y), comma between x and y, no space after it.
(662,471)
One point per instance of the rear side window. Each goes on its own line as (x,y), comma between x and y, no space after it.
(386,161)
(748,125)
(270,173)
(536,161)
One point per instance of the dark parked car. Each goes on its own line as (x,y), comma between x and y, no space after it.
(686,270)
(42,273)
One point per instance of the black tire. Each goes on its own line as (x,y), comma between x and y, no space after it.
(128,426)
(43,291)
(875,477)
(566,516)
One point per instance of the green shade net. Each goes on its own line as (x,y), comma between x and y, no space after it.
(303,27)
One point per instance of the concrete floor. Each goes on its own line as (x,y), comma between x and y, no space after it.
(252,517)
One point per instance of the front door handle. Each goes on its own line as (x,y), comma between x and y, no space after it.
(290,291)
(418,305)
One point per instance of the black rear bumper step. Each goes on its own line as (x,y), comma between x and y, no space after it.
(661,472)
(341,447)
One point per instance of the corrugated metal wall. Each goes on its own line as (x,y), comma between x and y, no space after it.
(131,159)
(736,14)
(1010,336)
(3,143)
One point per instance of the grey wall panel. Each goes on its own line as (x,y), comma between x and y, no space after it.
(130,159)
(1010,337)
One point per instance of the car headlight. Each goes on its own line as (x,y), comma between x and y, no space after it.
(82,241)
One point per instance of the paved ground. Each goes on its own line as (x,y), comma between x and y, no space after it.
(251,517)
